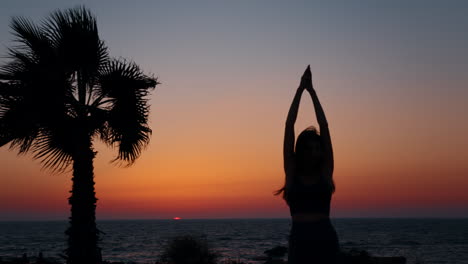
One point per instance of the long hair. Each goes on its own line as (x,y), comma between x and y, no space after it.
(307,135)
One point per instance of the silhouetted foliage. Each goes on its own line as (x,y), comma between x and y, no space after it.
(58,93)
(188,250)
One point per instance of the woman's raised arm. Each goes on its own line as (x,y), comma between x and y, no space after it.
(323,124)
(289,135)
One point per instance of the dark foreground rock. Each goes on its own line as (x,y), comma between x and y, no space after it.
(355,256)
(388,260)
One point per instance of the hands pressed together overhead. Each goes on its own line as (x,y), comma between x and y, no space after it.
(306,80)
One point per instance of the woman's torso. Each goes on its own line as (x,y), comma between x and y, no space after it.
(309,201)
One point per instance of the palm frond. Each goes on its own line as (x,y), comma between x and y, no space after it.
(126,87)
(20,135)
(74,35)
(19,68)
(33,38)
(16,124)
(53,149)
(33,53)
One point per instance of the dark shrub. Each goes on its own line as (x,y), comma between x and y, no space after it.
(188,250)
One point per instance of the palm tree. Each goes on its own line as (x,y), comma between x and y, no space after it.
(59,92)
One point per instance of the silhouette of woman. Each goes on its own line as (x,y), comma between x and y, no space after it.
(309,185)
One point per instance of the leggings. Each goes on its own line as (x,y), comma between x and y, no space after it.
(313,242)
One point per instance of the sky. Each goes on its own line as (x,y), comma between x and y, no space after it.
(391,76)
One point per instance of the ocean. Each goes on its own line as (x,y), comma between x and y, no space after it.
(427,241)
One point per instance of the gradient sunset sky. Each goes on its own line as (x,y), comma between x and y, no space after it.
(391,75)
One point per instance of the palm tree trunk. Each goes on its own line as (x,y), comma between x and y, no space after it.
(83,234)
